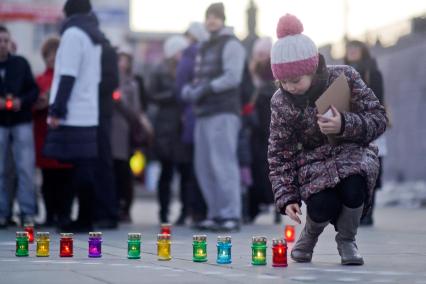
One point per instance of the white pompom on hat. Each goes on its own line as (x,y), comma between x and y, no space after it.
(174,45)
(294,54)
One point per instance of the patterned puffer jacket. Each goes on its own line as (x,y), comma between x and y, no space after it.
(301,160)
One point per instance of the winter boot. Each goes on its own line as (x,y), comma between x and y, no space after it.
(304,247)
(347,225)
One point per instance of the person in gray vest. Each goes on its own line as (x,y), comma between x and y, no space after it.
(216,96)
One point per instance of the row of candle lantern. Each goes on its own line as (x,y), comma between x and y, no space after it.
(224,245)
(289,232)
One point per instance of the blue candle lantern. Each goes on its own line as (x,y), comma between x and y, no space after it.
(224,250)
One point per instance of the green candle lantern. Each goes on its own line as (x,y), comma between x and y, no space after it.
(258,251)
(22,244)
(134,246)
(199,246)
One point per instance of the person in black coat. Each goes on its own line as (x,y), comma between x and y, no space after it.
(358,56)
(167,126)
(18,92)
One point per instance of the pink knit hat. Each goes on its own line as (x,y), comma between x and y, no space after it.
(294,54)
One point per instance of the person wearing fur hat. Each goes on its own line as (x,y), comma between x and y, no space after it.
(215,94)
(334,180)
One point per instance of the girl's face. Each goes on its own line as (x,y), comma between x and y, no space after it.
(298,85)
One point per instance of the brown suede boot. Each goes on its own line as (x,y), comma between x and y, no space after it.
(304,247)
(347,226)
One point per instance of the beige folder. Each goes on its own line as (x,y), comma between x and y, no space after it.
(337,94)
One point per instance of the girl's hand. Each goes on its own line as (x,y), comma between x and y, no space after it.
(292,210)
(330,125)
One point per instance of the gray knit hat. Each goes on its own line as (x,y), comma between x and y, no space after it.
(216,9)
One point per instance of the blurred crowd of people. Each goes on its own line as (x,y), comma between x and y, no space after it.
(81,119)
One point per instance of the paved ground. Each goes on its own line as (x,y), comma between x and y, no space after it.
(394,252)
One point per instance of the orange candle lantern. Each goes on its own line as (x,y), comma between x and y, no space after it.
(289,233)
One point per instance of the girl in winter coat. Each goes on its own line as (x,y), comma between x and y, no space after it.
(334,180)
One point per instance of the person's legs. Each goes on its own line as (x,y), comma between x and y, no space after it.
(48,190)
(218,170)
(10,181)
(106,211)
(368,220)
(203,168)
(164,190)
(124,188)
(64,195)
(185,188)
(4,196)
(23,153)
(196,205)
(84,182)
(224,140)
(322,207)
(352,193)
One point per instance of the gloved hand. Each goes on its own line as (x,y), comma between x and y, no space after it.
(192,93)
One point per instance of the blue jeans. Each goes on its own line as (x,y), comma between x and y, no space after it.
(22,142)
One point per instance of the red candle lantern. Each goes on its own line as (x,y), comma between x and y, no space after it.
(289,233)
(166,229)
(279,253)
(29,228)
(66,245)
